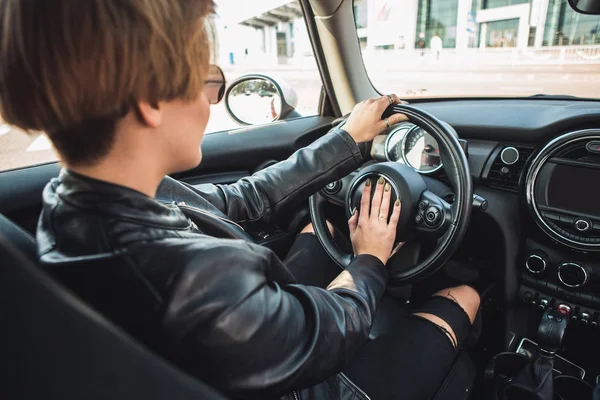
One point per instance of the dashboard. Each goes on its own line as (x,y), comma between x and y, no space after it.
(540,160)
(537,163)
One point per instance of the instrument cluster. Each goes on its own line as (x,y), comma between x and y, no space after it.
(409,144)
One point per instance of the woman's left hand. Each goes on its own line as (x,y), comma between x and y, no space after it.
(364,123)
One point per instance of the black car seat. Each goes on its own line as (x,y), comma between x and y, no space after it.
(20,238)
(54,346)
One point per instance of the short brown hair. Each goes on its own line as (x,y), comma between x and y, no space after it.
(72,68)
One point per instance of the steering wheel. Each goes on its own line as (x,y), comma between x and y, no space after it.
(424,215)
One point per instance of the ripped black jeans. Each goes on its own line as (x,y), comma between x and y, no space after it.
(408,356)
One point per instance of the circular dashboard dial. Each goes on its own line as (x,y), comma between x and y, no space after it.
(395,140)
(421,151)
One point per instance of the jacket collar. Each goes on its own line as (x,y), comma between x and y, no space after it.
(117,201)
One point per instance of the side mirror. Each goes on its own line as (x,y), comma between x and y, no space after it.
(591,7)
(258,99)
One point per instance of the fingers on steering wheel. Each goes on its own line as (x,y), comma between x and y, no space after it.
(376,202)
(365,202)
(385,202)
(395,216)
(397,118)
(353,221)
(382,103)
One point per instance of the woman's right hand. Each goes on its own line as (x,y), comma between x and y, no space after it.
(371,232)
(364,123)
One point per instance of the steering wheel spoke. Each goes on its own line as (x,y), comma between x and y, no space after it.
(434,215)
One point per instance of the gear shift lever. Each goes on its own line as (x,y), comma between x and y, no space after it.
(535,380)
(551,331)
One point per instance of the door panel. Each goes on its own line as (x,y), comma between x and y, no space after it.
(246,148)
(215,178)
(227,157)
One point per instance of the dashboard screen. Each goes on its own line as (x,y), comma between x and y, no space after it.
(575,189)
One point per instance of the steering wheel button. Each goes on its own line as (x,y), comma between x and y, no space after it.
(423,205)
(333,187)
(419,218)
(432,216)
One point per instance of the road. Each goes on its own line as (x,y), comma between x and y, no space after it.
(18,149)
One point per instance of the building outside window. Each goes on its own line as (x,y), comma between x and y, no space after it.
(427,24)
(501,3)
(436,19)
(552,20)
(566,28)
(502,33)
(474,37)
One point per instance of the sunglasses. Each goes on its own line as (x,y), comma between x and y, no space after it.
(214,85)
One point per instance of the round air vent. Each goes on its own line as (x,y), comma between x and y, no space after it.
(561,189)
(509,155)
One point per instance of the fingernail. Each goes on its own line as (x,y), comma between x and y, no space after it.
(354,211)
(387,187)
(368,183)
(397,203)
(380,181)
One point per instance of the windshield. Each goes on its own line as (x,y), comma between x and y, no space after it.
(473,48)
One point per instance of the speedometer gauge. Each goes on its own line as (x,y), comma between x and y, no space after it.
(394,142)
(421,151)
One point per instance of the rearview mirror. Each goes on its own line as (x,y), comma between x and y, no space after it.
(259,99)
(591,7)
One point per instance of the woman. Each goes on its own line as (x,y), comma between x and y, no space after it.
(122,88)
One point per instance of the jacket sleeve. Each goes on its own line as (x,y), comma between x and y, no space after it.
(261,198)
(251,337)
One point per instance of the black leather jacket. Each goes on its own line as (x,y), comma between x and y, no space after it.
(227,311)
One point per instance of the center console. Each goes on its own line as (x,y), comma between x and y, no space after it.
(553,277)
(561,267)
(559,261)
(535,371)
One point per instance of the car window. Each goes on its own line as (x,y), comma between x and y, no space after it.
(479,48)
(18,149)
(269,38)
